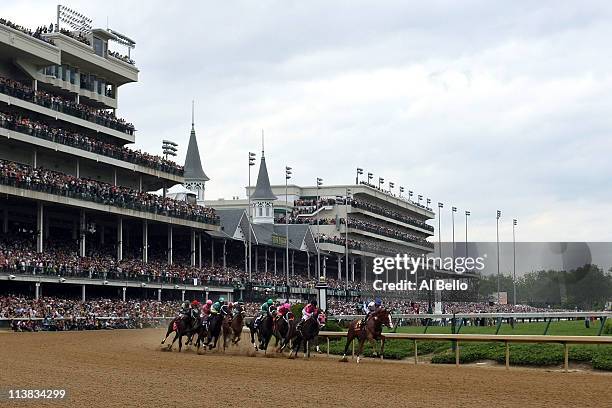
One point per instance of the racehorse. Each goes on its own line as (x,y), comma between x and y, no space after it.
(182,325)
(232,329)
(308,331)
(263,331)
(284,330)
(371,330)
(215,322)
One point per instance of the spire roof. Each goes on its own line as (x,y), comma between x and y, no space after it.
(263,191)
(193,164)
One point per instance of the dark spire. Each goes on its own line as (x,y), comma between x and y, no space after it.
(193,164)
(263,191)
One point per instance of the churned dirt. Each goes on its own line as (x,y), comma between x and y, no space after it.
(127,368)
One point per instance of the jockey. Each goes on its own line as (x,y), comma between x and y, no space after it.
(230,308)
(264,310)
(195,309)
(206,309)
(185,309)
(368,310)
(307,312)
(216,307)
(283,310)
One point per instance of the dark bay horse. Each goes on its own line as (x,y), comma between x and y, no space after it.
(232,329)
(182,326)
(371,330)
(308,331)
(215,321)
(263,331)
(284,330)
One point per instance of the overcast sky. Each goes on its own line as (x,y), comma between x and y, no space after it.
(477,104)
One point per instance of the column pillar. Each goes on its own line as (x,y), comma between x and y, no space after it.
(292,263)
(192,248)
(200,250)
(224,259)
(102,233)
(339,269)
(170,245)
(159,295)
(115,176)
(183,295)
(256,259)
(212,252)
(274,263)
(78,168)
(39,227)
(308,264)
(37,290)
(83,293)
(145,241)
(265,260)
(325,267)
(83,232)
(353,269)
(119,239)
(124,289)
(35,158)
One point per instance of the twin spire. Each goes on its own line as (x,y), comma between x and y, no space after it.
(263,191)
(193,171)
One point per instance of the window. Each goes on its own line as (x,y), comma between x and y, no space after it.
(98,46)
(260,211)
(267,211)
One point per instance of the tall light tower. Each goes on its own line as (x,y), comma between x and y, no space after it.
(319,184)
(359,173)
(440,206)
(381,181)
(467,214)
(287,177)
(250,216)
(499,213)
(514,223)
(346,248)
(169,149)
(454,210)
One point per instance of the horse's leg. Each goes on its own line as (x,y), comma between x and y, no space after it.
(360,349)
(167,333)
(180,342)
(382,348)
(349,339)
(173,340)
(374,346)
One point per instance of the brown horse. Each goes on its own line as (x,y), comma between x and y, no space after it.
(232,328)
(371,330)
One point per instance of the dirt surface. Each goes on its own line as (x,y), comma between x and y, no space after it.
(126,368)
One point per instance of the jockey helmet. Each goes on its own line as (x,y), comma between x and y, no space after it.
(313,302)
(209,302)
(378,302)
(270,301)
(287,306)
(195,303)
(371,305)
(221,299)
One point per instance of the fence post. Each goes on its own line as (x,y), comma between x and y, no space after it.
(507,356)
(416,356)
(457,354)
(603,323)
(327,346)
(566,356)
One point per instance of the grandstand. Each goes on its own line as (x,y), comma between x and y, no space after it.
(84,214)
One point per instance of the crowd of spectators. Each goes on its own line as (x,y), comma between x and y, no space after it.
(23,124)
(36,33)
(123,58)
(387,212)
(75,35)
(58,314)
(65,105)
(387,231)
(389,192)
(52,182)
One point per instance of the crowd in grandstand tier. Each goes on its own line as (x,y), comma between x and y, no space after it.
(65,105)
(342,307)
(389,213)
(367,246)
(76,35)
(406,199)
(52,182)
(308,220)
(123,58)
(386,231)
(23,124)
(36,33)
(67,314)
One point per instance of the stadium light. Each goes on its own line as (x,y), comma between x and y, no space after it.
(287,177)
(514,224)
(359,172)
(419,198)
(401,190)
(380,182)
(467,214)
(440,206)
(319,184)
(453,211)
(428,202)
(370,177)
(499,213)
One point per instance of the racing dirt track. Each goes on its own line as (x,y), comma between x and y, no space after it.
(126,368)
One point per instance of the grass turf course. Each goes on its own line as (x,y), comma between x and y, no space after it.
(599,356)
